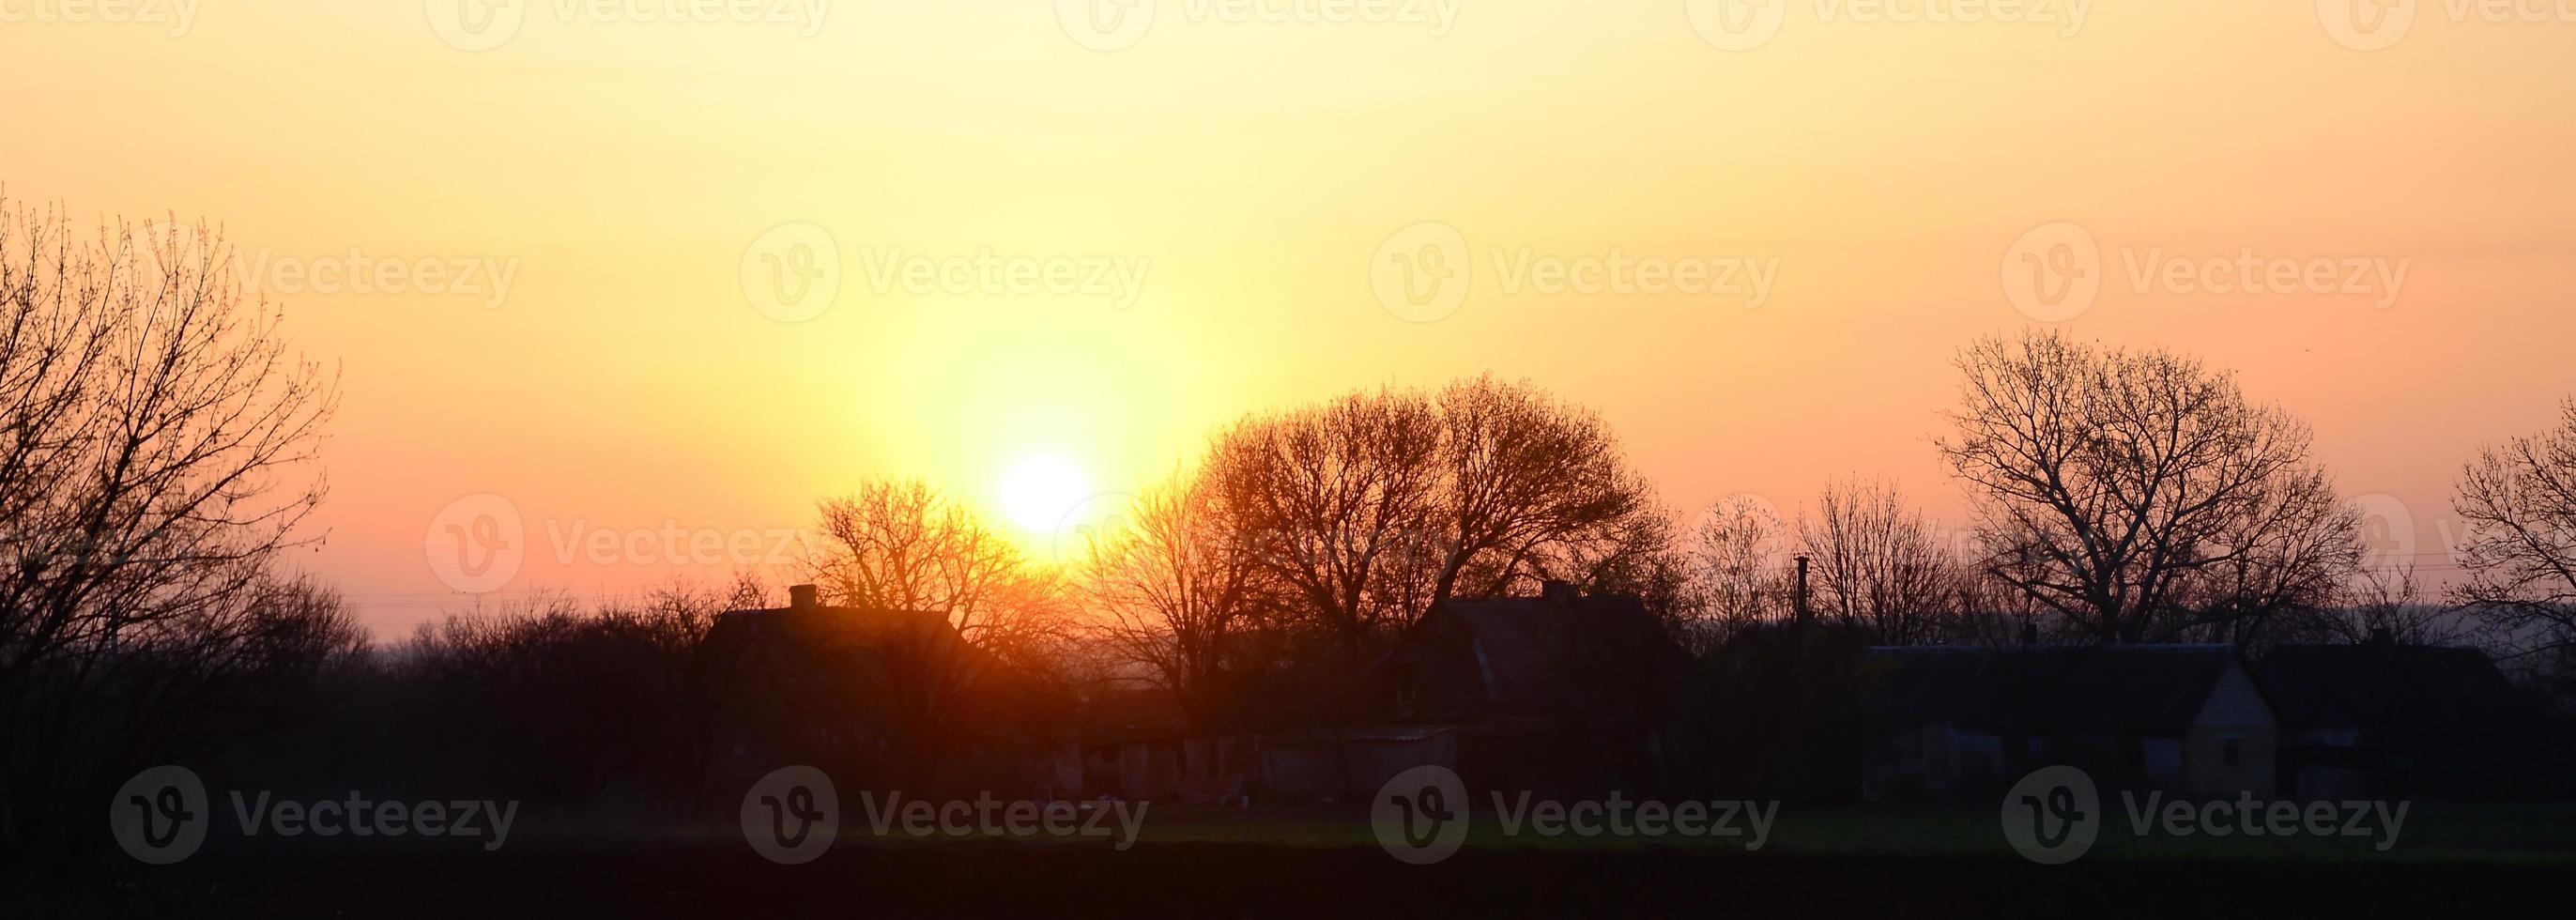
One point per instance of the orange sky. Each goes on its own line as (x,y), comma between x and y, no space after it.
(995,192)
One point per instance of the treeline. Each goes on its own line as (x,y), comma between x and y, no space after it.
(158,451)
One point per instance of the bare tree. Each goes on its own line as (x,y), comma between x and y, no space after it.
(2519,502)
(1736,553)
(1175,589)
(902,546)
(156,442)
(1535,489)
(1339,500)
(1879,564)
(2139,494)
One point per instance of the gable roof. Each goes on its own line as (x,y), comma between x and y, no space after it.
(1554,655)
(2382,686)
(2135,689)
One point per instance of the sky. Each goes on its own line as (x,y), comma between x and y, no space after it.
(619,290)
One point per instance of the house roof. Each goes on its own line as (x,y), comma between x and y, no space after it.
(1554,655)
(2381,686)
(2137,689)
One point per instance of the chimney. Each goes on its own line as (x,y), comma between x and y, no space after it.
(1558,591)
(802,597)
(2380,636)
(2029,635)
(1802,591)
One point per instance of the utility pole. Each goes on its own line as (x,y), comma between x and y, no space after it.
(1802,591)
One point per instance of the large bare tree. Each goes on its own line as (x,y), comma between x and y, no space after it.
(1375,504)
(1339,500)
(1880,564)
(157,448)
(2519,502)
(2139,494)
(1176,588)
(1532,489)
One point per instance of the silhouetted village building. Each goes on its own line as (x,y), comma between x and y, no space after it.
(1560,694)
(2382,718)
(1568,695)
(2186,719)
(885,697)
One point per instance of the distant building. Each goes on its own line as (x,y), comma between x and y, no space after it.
(1558,693)
(2383,719)
(892,697)
(2187,719)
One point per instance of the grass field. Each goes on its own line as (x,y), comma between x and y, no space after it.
(2452,859)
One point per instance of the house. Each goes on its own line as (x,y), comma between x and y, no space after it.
(883,698)
(2380,718)
(1133,743)
(2185,719)
(1558,694)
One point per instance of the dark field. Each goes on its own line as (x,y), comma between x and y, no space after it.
(2461,861)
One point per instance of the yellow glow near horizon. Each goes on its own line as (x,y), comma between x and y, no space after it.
(1040,489)
(1239,180)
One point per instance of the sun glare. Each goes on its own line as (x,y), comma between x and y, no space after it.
(1041,489)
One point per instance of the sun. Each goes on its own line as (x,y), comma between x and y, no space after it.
(1039,490)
